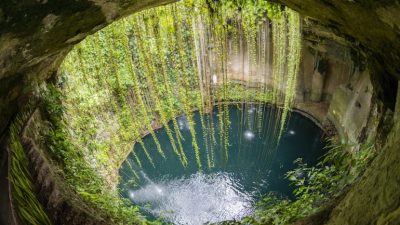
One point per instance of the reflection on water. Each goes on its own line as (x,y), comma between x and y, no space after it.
(183,123)
(197,199)
(249,135)
(229,188)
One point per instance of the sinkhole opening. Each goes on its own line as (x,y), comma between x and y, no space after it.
(214,84)
(234,174)
(220,79)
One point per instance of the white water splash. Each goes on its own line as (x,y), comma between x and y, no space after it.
(196,200)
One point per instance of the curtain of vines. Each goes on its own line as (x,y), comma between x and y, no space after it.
(145,70)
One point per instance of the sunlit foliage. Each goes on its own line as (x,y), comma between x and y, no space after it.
(143,71)
(25,202)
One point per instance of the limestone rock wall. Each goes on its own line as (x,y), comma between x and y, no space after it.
(333,82)
(351,106)
(372,24)
(36,35)
(63,205)
(375,199)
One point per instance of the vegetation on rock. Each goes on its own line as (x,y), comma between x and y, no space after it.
(146,69)
(315,186)
(25,202)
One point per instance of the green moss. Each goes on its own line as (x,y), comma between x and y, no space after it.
(315,186)
(145,70)
(26,203)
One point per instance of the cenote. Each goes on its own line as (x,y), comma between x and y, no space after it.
(228,190)
(186,112)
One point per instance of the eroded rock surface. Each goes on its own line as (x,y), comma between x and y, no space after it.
(35,35)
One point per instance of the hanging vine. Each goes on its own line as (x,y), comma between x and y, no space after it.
(156,65)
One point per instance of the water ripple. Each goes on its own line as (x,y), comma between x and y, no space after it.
(196,200)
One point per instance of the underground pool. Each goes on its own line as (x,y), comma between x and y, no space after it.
(253,165)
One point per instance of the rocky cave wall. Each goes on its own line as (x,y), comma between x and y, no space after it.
(36,35)
(333,85)
(64,206)
(374,199)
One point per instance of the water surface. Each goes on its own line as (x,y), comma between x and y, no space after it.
(255,166)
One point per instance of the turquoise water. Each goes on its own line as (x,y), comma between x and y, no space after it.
(255,166)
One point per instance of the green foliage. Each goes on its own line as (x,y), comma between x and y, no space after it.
(28,208)
(315,185)
(78,173)
(157,64)
(145,70)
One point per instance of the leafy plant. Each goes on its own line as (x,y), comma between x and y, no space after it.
(147,69)
(316,185)
(26,203)
(78,173)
